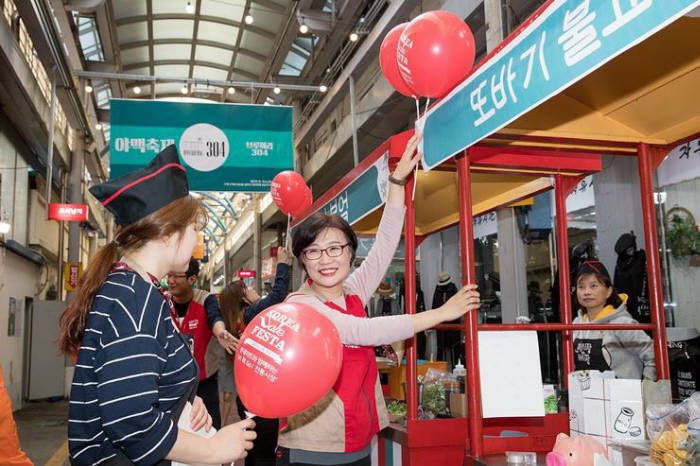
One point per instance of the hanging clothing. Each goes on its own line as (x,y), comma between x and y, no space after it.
(631,279)
(629,353)
(387,306)
(684,362)
(447,341)
(443,293)
(133,376)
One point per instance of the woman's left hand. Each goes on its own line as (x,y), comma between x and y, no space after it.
(228,341)
(199,417)
(409,159)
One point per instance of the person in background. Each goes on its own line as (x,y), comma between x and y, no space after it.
(339,429)
(629,353)
(198,318)
(11,452)
(134,374)
(239,304)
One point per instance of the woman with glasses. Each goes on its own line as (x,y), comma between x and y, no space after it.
(239,304)
(339,429)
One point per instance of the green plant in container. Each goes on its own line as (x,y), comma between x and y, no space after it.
(682,236)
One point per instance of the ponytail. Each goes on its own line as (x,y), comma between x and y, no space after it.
(72,323)
(174,218)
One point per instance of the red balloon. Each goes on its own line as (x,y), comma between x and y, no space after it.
(288,358)
(287,190)
(306,203)
(435,53)
(388,63)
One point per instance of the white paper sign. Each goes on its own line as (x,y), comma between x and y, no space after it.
(486,224)
(511,380)
(581,197)
(682,164)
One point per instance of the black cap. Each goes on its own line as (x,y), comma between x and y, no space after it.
(592,267)
(135,195)
(624,242)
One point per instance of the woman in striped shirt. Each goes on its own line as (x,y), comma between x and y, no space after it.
(134,372)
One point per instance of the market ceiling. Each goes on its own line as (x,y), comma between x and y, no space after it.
(263,41)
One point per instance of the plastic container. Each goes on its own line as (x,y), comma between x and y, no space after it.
(460,372)
(526,458)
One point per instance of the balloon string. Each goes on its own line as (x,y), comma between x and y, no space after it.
(289,229)
(417,108)
(427,104)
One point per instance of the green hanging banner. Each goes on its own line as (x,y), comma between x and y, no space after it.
(225,147)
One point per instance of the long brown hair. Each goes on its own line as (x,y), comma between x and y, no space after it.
(233,303)
(171,219)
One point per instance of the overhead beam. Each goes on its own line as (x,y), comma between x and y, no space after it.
(195,30)
(237,49)
(181,61)
(188,17)
(209,43)
(396,12)
(330,43)
(149,22)
(270,5)
(283,43)
(183,79)
(107,28)
(105,66)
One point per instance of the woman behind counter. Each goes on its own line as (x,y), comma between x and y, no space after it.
(134,373)
(629,353)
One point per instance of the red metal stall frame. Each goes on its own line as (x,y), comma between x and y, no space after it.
(649,158)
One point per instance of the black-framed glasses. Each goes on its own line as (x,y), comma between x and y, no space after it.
(331,251)
(177,275)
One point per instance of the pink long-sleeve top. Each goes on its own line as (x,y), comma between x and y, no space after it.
(363,282)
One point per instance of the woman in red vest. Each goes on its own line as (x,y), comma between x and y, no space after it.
(339,429)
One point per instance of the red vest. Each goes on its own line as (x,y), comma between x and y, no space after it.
(195,324)
(356,385)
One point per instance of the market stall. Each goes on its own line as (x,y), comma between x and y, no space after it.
(619,106)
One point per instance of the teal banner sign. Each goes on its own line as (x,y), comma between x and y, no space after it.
(225,147)
(364,195)
(570,39)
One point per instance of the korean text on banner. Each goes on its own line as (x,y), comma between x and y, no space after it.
(225,147)
(569,40)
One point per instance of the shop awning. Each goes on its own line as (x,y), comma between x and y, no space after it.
(632,78)
(651,93)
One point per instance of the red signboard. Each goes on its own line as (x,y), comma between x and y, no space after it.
(246,274)
(68,212)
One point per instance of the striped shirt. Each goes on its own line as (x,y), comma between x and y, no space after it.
(132,369)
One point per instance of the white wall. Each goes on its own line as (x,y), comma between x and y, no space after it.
(19,278)
(685,279)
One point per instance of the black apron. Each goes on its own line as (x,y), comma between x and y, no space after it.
(588,355)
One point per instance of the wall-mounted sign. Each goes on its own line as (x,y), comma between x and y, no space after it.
(681,164)
(68,212)
(566,42)
(364,195)
(246,274)
(71,274)
(225,147)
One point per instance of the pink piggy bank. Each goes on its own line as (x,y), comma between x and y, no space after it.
(579,451)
